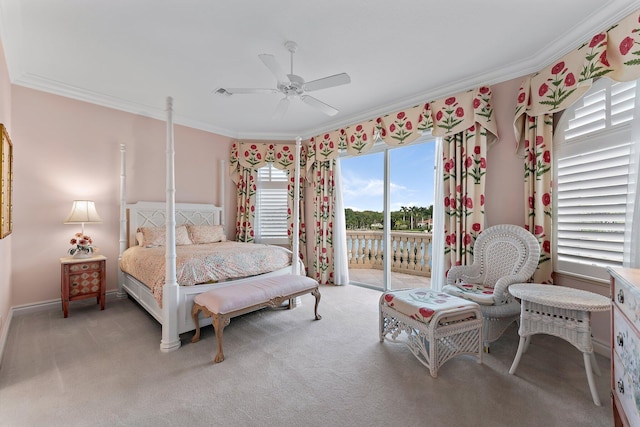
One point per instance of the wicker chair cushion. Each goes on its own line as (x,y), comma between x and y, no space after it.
(421,304)
(481,294)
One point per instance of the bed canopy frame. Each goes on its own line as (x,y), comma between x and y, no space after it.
(174,316)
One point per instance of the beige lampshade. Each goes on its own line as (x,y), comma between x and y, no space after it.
(83,211)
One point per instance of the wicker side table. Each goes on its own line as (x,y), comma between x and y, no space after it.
(562,312)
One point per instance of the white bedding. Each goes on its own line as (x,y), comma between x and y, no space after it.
(204,263)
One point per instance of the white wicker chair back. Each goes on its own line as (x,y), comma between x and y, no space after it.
(503,255)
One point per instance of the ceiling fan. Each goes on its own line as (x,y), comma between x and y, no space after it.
(292,85)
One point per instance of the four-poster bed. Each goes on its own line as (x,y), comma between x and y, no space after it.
(170,303)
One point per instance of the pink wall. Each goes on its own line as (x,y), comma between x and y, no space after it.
(505,186)
(5,244)
(67,149)
(71,150)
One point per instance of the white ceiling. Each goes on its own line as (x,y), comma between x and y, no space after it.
(132,54)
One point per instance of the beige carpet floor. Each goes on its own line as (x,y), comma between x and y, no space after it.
(104,368)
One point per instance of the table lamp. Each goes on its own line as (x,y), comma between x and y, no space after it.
(83,211)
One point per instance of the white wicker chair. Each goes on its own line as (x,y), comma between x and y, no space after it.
(502,255)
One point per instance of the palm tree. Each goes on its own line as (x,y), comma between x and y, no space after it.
(404,210)
(412,211)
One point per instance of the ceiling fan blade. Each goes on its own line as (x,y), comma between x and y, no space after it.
(238,90)
(282,107)
(316,103)
(274,67)
(327,82)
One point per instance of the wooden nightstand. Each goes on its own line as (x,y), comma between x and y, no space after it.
(83,278)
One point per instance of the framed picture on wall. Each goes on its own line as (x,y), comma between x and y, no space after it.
(6,177)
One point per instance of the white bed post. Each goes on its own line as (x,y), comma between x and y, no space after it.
(123,216)
(296,211)
(221,192)
(170,337)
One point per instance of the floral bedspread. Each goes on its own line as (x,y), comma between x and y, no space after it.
(206,263)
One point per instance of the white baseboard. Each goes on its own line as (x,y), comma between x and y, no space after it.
(603,349)
(23,309)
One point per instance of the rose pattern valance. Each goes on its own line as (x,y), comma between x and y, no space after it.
(614,53)
(254,155)
(443,117)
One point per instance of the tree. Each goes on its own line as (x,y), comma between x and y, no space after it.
(350,219)
(362,220)
(404,210)
(412,213)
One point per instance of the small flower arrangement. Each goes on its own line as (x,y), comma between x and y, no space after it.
(82,244)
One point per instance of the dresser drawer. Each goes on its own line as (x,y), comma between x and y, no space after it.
(83,267)
(628,300)
(86,282)
(626,342)
(627,392)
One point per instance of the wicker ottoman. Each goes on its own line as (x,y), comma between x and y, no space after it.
(438,326)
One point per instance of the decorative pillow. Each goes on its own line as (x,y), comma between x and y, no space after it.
(156,236)
(140,238)
(182,236)
(206,233)
(152,236)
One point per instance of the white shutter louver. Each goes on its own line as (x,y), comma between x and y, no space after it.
(271,209)
(592,168)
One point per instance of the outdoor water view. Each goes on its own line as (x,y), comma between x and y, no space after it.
(411,171)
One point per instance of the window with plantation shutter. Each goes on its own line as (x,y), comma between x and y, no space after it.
(271,205)
(592,155)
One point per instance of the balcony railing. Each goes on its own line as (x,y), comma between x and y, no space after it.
(410,252)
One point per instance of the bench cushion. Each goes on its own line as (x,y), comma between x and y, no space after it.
(422,303)
(249,293)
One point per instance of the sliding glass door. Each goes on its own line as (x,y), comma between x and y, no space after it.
(363,195)
(388,197)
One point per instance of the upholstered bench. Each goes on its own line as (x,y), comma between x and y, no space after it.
(439,326)
(234,300)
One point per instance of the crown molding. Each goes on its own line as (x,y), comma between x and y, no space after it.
(36,82)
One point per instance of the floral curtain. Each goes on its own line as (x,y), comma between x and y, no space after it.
(246,204)
(324,216)
(538,155)
(464,170)
(302,234)
(614,54)
(246,159)
(443,117)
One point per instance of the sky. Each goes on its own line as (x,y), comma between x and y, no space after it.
(411,178)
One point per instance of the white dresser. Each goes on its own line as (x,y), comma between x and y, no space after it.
(625,346)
